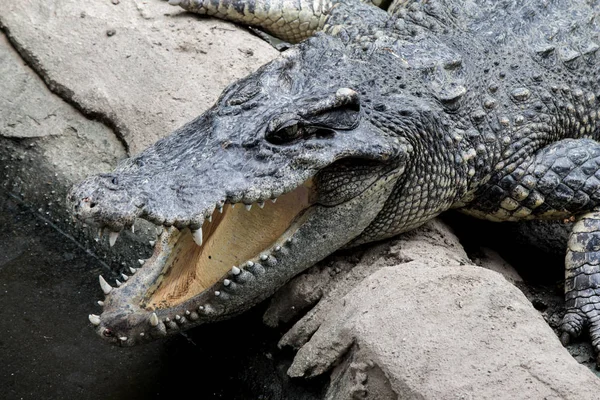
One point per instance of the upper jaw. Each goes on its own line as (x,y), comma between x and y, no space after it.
(186,190)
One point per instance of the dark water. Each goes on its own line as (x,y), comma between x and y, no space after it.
(48,286)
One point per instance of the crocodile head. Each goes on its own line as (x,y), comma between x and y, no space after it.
(286,168)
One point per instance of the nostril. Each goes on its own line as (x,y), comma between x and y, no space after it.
(115,181)
(88,201)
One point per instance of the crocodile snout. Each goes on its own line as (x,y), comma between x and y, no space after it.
(100,201)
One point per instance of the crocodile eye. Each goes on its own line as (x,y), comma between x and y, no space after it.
(292,131)
(285,134)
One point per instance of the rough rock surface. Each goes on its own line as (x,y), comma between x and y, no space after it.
(414,318)
(57,132)
(142,67)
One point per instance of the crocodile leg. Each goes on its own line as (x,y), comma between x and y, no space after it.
(557,182)
(582,285)
(560,181)
(292,20)
(288,20)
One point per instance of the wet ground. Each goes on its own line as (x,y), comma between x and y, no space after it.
(48,285)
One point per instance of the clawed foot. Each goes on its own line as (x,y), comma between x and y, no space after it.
(586,316)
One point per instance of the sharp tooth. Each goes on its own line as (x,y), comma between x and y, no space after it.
(226,282)
(177,317)
(274,200)
(187,312)
(125,277)
(94,319)
(263,257)
(200,308)
(100,303)
(209,219)
(198,236)
(220,209)
(261,204)
(235,270)
(154,319)
(141,262)
(217,293)
(248,207)
(132,229)
(112,238)
(118,282)
(152,242)
(142,334)
(132,270)
(277,248)
(106,288)
(250,264)
(123,338)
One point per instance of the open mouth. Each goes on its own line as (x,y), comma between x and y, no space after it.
(192,272)
(231,238)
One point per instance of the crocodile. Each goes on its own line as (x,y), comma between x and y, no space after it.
(379,117)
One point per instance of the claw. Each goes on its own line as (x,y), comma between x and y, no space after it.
(565,338)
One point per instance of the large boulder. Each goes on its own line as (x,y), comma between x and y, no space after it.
(414,318)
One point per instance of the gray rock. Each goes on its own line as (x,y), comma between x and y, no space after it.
(46,144)
(159,69)
(413,318)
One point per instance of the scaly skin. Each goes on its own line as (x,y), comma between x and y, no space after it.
(486,107)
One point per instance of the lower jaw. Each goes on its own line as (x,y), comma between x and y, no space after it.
(300,247)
